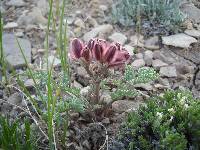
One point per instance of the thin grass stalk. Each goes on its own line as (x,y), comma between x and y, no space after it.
(50,110)
(2,59)
(30,71)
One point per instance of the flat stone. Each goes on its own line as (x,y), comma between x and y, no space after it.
(152,43)
(17,3)
(168,71)
(118,37)
(43,5)
(194,33)
(137,40)
(15,99)
(33,17)
(138,63)
(148,57)
(130,49)
(179,40)
(102,29)
(12,51)
(191,11)
(147,86)
(10,25)
(157,63)
(121,106)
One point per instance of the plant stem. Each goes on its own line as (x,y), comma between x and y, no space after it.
(97,91)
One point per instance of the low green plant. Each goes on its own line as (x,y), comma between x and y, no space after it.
(164,12)
(126,85)
(170,121)
(13,137)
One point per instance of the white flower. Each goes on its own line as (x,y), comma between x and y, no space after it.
(186,106)
(171,110)
(182,101)
(159,115)
(171,118)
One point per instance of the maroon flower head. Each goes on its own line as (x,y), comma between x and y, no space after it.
(76,48)
(110,53)
(98,51)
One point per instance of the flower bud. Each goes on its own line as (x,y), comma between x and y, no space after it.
(87,54)
(76,49)
(91,44)
(110,53)
(98,51)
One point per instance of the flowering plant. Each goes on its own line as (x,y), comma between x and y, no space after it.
(97,57)
(164,122)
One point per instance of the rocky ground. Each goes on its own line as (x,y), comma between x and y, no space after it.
(176,57)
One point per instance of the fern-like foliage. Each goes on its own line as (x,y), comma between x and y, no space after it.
(125,86)
(165,12)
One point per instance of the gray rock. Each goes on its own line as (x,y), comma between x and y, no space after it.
(43,5)
(17,3)
(33,17)
(81,71)
(121,106)
(91,22)
(55,61)
(102,29)
(103,7)
(85,91)
(194,33)
(148,57)
(77,84)
(148,54)
(137,40)
(106,121)
(19,34)
(118,37)
(179,40)
(29,83)
(15,99)
(130,49)
(105,98)
(152,43)
(164,82)
(79,23)
(138,63)
(184,68)
(168,71)
(192,12)
(157,63)
(139,56)
(147,86)
(10,25)
(12,51)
